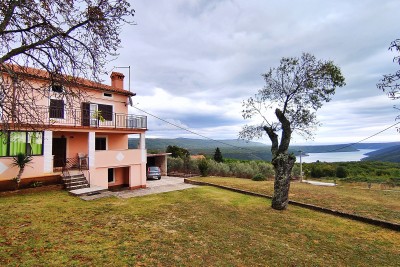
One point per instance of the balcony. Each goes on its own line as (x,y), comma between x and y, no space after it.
(91,119)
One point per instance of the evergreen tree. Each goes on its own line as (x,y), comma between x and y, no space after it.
(218,155)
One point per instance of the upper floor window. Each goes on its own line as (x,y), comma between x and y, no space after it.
(57,88)
(106,111)
(56,110)
(107,95)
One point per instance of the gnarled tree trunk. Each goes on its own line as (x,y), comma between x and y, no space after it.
(283,165)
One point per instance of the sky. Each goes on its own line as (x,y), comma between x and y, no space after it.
(193,62)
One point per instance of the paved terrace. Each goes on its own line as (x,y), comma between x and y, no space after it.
(165,184)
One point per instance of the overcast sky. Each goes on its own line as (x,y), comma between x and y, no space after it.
(194,62)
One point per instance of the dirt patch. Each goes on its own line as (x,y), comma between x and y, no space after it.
(23,191)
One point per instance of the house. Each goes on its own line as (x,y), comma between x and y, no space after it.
(90,139)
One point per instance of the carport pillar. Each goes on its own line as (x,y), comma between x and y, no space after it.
(142,141)
(142,147)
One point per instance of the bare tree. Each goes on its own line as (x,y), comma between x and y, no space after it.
(58,43)
(390,83)
(287,103)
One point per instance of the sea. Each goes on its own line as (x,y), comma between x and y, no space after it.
(335,156)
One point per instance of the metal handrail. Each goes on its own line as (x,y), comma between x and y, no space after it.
(77,163)
(79,117)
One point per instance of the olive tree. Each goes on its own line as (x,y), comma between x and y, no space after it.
(390,83)
(294,91)
(66,40)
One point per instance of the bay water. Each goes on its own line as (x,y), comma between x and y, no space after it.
(334,156)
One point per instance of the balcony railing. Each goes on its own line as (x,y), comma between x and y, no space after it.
(78,117)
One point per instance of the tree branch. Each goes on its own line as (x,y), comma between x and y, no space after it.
(25,48)
(8,15)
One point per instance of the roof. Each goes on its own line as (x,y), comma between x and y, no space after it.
(42,74)
(158,155)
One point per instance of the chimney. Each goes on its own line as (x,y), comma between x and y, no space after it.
(117,80)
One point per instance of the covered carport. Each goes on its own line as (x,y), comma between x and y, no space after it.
(160,160)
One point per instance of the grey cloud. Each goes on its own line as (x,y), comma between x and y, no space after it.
(215,51)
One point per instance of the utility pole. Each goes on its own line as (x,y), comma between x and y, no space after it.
(301,167)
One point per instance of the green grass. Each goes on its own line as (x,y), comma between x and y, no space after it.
(373,203)
(204,226)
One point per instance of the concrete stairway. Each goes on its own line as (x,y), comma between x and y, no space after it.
(75,181)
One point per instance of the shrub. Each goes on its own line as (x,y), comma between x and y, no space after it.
(203,167)
(258,177)
(341,172)
(219,169)
(175,165)
(36,184)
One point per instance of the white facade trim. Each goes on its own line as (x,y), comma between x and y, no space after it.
(92,149)
(48,151)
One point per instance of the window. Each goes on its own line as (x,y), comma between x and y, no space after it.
(34,143)
(111,176)
(91,113)
(3,144)
(13,143)
(57,88)
(101,143)
(106,111)
(56,109)
(107,95)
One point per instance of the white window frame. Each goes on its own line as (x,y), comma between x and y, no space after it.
(108,97)
(101,136)
(113,170)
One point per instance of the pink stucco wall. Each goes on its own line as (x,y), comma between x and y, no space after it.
(117,141)
(35,168)
(117,158)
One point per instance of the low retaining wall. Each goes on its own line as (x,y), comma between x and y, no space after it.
(385,224)
(9,185)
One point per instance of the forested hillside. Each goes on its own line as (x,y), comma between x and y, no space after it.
(239,149)
(389,154)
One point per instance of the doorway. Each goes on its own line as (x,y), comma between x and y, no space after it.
(59,151)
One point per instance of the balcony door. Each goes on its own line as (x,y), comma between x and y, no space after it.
(93,113)
(94,119)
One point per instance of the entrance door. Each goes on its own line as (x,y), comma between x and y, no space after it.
(59,151)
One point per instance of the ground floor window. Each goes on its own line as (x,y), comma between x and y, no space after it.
(111,176)
(13,143)
(101,143)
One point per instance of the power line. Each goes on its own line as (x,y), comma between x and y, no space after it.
(375,134)
(192,132)
(251,152)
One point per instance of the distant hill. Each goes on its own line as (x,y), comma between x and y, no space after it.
(244,150)
(388,154)
(376,146)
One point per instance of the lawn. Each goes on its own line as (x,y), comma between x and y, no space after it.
(373,203)
(203,226)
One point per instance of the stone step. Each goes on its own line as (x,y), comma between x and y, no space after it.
(75,187)
(73,177)
(75,182)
